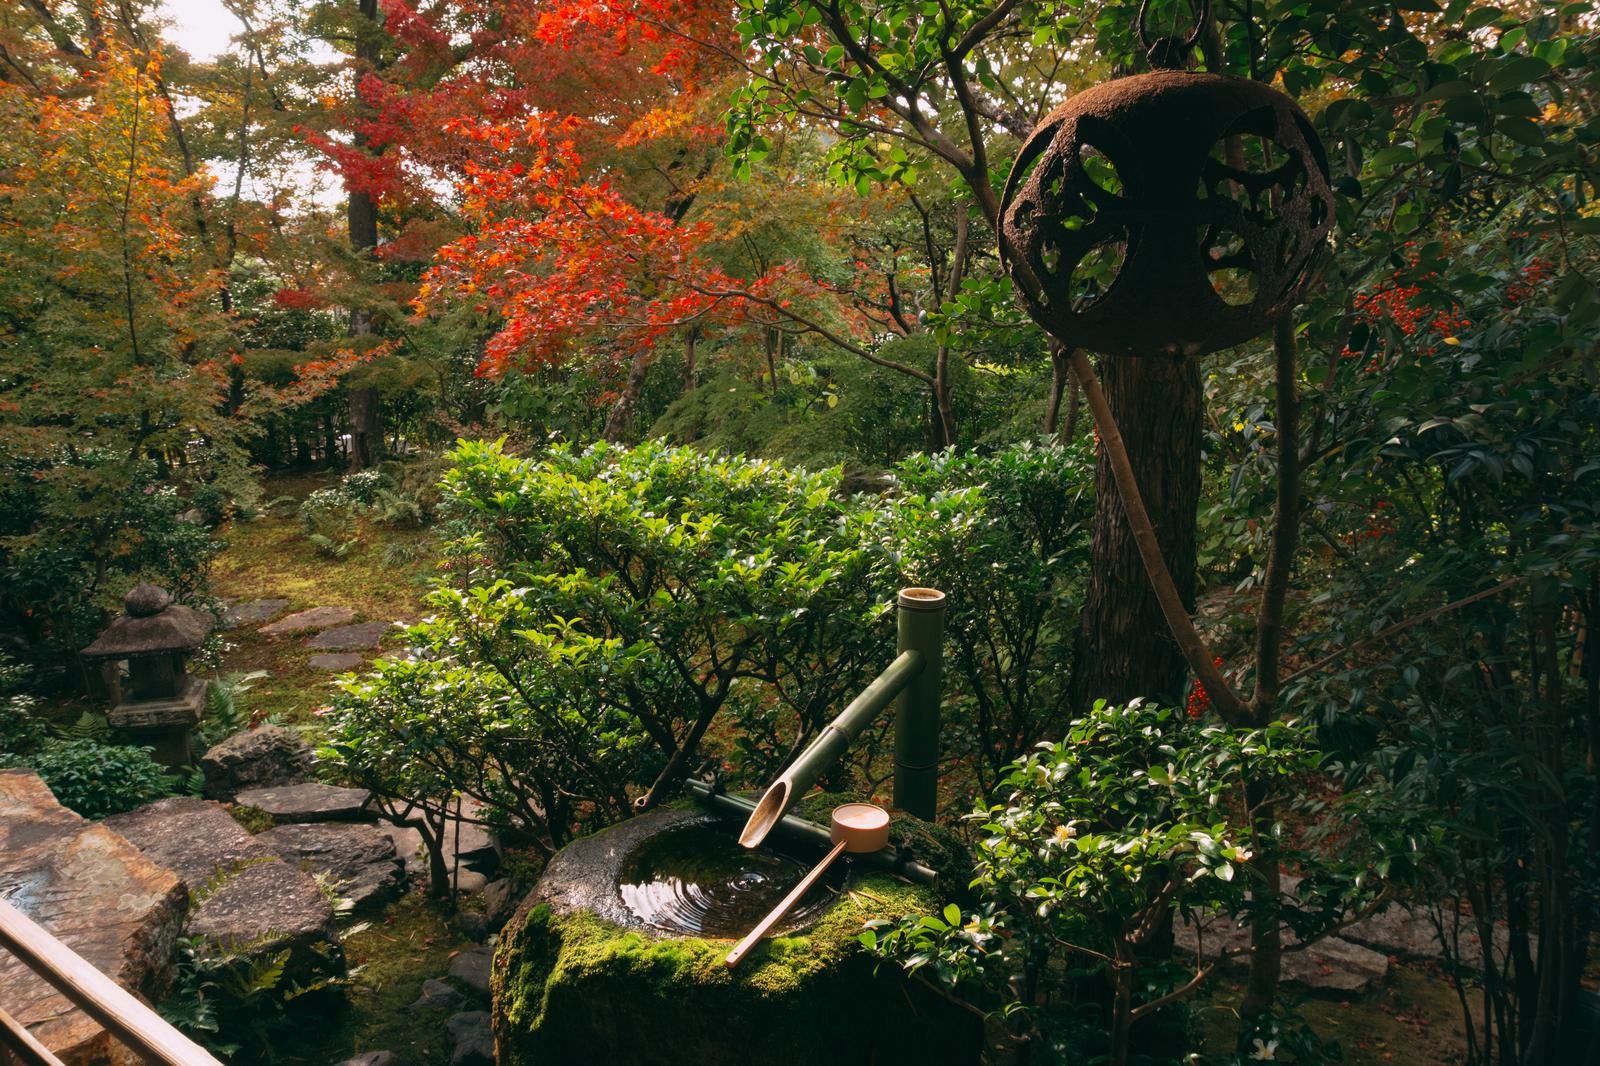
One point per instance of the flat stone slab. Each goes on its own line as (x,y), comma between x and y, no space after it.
(192,837)
(358,860)
(1330,965)
(336,662)
(311,801)
(309,621)
(251,612)
(1413,935)
(246,898)
(267,907)
(100,896)
(256,758)
(362,636)
(472,968)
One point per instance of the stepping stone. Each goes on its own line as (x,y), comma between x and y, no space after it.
(472,968)
(436,995)
(251,612)
(359,860)
(257,758)
(95,892)
(365,635)
(192,837)
(337,662)
(267,907)
(372,1058)
(312,801)
(309,621)
(471,1039)
(242,896)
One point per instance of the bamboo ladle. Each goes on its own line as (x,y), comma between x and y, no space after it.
(857,828)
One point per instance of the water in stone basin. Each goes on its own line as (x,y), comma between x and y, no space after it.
(698,880)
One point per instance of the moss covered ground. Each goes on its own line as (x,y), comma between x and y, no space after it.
(382,578)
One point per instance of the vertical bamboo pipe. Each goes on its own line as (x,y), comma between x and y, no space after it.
(916,726)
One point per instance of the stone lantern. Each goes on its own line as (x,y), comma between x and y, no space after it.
(158,704)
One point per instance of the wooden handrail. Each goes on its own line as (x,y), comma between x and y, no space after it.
(143,1030)
(23,1044)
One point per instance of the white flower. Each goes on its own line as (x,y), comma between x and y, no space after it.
(1062,834)
(1266,1051)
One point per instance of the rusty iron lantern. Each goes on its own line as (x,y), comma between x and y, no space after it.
(1170,213)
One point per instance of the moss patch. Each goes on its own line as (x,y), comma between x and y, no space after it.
(389,959)
(270,557)
(573,987)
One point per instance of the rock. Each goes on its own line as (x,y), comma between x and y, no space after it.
(265,756)
(267,907)
(373,1058)
(472,968)
(309,621)
(500,899)
(1330,965)
(245,898)
(251,612)
(350,638)
(408,846)
(1414,935)
(194,838)
(573,983)
(358,860)
(100,896)
(471,1039)
(436,995)
(311,801)
(336,662)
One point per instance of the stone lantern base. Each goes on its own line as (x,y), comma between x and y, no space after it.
(165,724)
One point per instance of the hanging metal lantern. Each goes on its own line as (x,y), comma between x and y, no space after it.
(1170,213)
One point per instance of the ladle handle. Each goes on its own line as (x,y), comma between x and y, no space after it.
(753,937)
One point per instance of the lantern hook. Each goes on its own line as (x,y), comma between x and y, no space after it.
(1171,52)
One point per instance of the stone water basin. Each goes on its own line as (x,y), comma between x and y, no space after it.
(616,956)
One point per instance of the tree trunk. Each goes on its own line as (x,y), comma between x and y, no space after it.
(361,219)
(619,420)
(943,403)
(366,429)
(1125,648)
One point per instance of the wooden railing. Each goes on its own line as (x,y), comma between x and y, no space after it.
(114,1007)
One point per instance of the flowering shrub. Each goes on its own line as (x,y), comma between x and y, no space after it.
(1091,845)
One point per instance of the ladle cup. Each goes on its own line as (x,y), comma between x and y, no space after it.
(857,828)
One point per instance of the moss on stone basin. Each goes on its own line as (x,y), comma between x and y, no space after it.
(575,986)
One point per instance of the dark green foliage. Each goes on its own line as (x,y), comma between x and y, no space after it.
(1089,844)
(630,613)
(1006,535)
(95,778)
(72,541)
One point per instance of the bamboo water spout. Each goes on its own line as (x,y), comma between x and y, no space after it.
(914,677)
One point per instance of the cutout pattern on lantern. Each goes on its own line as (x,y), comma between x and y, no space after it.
(1171,213)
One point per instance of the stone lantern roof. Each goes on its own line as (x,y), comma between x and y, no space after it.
(153,625)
